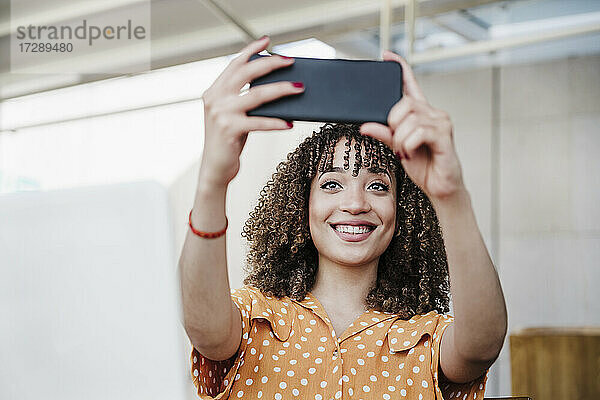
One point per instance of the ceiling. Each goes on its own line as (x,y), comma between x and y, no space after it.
(449,34)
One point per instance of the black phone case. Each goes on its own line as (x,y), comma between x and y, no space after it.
(335,90)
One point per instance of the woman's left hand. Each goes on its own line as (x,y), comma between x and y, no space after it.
(422,137)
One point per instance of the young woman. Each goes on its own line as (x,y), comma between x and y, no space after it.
(356,243)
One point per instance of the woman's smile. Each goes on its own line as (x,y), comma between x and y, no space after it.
(353,233)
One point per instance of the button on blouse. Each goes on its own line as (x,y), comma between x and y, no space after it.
(289,349)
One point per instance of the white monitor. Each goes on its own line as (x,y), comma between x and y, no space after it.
(89,298)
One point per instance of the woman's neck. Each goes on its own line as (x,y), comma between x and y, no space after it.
(342,285)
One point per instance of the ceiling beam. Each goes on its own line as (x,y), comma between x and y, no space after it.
(228,17)
(486,46)
(410,16)
(385,24)
(462,25)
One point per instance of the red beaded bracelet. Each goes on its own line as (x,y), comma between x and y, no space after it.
(208,235)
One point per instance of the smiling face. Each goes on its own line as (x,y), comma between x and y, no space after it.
(352,219)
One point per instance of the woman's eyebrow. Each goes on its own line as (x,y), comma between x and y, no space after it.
(373,170)
(379,170)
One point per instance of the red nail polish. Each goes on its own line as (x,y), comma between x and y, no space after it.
(286,58)
(298,84)
(289,124)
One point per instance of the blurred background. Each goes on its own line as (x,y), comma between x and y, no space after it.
(520,80)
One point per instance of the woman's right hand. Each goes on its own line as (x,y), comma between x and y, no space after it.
(226,124)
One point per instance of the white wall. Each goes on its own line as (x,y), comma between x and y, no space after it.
(550,223)
(88,295)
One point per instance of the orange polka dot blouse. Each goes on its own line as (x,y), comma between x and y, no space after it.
(289,350)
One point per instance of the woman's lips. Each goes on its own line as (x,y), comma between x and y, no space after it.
(351,237)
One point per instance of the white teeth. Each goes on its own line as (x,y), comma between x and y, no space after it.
(352,229)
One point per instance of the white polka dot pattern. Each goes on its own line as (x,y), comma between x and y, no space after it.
(289,350)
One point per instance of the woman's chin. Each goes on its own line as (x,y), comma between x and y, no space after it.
(354,259)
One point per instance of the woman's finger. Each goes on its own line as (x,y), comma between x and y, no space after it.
(400,111)
(408,106)
(402,132)
(416,139)
(261,94)
(411,87)
(265,124)
(377,131)
(252,48)
(257,68)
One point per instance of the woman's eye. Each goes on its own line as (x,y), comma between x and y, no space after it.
(382,186)
(326,185)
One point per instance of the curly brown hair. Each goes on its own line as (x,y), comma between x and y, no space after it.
(412,274)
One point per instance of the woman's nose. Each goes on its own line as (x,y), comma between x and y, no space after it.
(355,200)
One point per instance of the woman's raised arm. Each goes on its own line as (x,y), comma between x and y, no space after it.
(211,319)
(422,137)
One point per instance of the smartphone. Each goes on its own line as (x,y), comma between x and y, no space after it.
(335,90)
